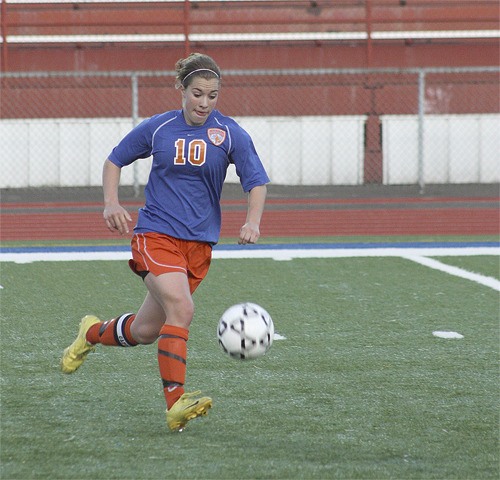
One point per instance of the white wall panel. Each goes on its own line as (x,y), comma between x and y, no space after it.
(400,153)
(347,147)
(489,149)
(294,150)
(456,149)
(14,154)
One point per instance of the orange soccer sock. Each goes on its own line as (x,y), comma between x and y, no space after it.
(172,353)
(114,332)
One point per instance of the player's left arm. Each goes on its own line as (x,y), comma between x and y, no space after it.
(250,231)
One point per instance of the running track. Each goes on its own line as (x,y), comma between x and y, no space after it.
(283,218)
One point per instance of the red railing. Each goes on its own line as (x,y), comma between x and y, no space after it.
(26,26)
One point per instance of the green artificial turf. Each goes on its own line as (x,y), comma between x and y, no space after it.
(359,387)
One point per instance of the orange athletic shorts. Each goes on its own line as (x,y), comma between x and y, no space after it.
(158,253)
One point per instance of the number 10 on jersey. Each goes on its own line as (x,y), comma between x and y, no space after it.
(196,152)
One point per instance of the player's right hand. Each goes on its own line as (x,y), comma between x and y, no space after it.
(117,218)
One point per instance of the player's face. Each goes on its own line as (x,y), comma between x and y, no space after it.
(199,98)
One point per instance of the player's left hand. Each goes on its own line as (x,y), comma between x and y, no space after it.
(249,233)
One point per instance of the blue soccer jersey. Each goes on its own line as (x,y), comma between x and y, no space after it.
(188,171)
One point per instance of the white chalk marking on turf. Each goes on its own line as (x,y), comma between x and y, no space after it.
(445,334)
(250,253)
(30,257)
(458,272)
(290,254)
(283,259)
(415,254)
(277,336)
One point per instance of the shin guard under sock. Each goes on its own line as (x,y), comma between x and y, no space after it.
(172,353)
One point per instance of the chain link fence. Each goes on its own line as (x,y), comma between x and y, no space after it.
(310,127)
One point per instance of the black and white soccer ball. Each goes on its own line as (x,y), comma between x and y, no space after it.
(245,331)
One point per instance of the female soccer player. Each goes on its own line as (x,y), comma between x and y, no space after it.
(177,227)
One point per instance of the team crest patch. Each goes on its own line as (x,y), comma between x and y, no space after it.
(216,135)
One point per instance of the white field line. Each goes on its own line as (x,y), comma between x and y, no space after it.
(458,272)
(290,254)
(256,252)
(414,254)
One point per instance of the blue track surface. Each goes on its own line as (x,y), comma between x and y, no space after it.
(273,246)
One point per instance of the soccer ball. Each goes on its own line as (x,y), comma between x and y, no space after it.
(245,331)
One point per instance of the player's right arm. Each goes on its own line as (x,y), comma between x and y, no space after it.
(115,216)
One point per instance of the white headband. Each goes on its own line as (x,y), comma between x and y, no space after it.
(200,70)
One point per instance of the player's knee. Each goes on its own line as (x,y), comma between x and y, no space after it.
(146,334)
(183,313)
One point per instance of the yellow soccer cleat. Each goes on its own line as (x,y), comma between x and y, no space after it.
(77,352)
(187,408)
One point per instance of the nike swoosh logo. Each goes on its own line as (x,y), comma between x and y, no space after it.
(192,405)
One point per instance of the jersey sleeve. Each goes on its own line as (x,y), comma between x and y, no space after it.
(136,144)
(248,165)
